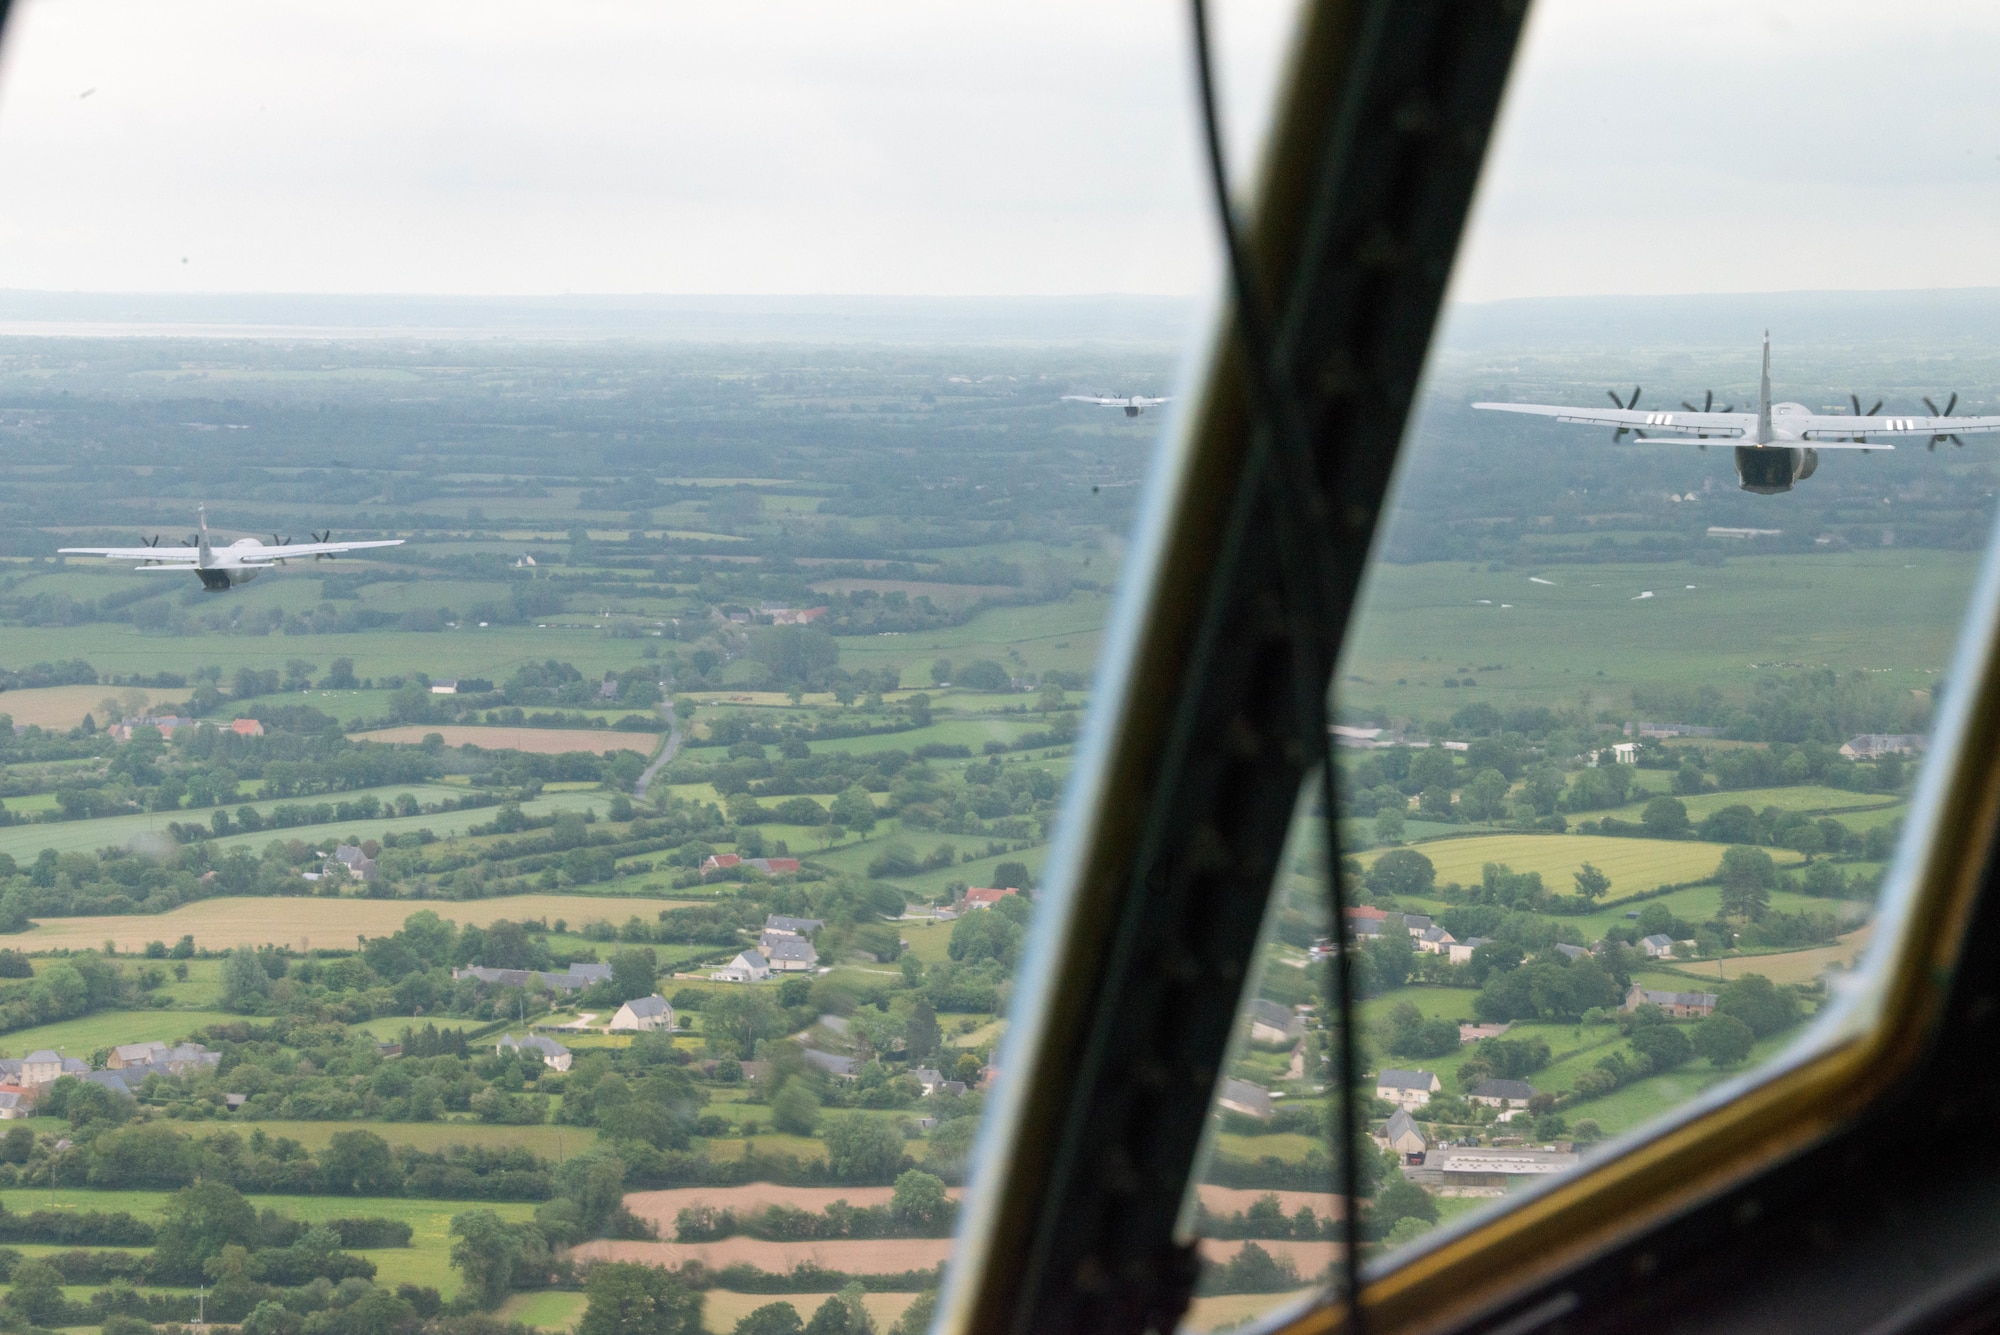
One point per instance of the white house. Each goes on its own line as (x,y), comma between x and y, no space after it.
(1461,951)
(553,1054)
(1680,1005)
(1404,1138)
(1502,1093)
(787,954)
(749,967)
(1659,946)
(444,687)
(1436,941)
(1873,745)
(1411,1089)
(644,1014)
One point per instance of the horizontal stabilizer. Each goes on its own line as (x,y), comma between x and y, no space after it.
(1772,445)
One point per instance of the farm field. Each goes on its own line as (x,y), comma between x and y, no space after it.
(874,1256)
(104,1029)
(1810,798)
(1634,865)
(222,924)
(549,1309)
(538,741)
(425,1261)
(552,1142)
(149,829)
(63,706)
(1901,610)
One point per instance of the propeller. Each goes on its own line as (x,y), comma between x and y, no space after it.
(323,537)
(1950,404)
(1707,406)
(1620,433)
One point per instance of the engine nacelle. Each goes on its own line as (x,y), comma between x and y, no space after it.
(1770,469)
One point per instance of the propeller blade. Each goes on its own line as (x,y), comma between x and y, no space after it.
(1951,403)
(1614,397)
(1933,407)
(1931,444)
(1956,441)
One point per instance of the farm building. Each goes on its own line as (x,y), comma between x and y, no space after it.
(1874,745)
(1680,1005)
(1240,1096)
(788,954)
(643,1015)
(1272,1023)
(748,967)
(1402,1136)
(777,924)
(1502,1093)
(553,1054)
(1412,1089)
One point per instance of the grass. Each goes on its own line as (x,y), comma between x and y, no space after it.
(220,924)
(723,1309)
(551,1309)
(1586,636)
(1811,798)
(541,741)
(427,1260)
(87,1033)
(24,841)
(1634,865)
(553,1143)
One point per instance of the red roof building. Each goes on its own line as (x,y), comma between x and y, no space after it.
(247,727)
(981,898)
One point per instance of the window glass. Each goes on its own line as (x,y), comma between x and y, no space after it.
(1629,717)
(632,865)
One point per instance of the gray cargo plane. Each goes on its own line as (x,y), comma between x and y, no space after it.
(221,568)
(1778,444)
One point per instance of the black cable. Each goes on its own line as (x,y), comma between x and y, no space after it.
(1303,539)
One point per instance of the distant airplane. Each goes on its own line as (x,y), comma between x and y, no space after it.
(1133,404)
(1781,441)
(238,563)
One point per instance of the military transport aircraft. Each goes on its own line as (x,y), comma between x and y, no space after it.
(225,567)
(1133,404)
(1779,443)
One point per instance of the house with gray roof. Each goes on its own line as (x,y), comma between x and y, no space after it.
(1240,1096)
(643,1015)
(553,1054)
(780,924)
(1402,1136)
(1461,951)
(1571,952)
(1411,1089)
(1659,946)
(788,954)
(1273,1023)
(1502,1093)
(833,1063)
(1680,1005)
(748,967)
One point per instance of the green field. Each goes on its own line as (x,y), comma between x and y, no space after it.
(150,828)
(1589,636)
(87,1033)
(427,1260)
(1634,865)
(1810,798)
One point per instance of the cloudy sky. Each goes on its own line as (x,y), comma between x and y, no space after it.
(899,146)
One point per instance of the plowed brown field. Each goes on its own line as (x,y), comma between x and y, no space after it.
(541,741)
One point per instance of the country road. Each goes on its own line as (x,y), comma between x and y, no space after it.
(667,753)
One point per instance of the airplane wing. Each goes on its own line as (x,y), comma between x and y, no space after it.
(1093,398)
(1637,419)
(174,553)
(1823,430)
(1774,444)
(262,555)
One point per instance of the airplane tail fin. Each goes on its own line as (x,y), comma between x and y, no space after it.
(201,512)
(1764,395)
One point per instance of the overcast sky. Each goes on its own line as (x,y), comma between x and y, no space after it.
(791,146)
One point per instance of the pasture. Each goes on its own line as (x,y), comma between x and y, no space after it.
(64,706)
(147,831)
(1588,638)
(302,923)
(538,741)
(1634,865)
(1812,798)
(105,1029)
